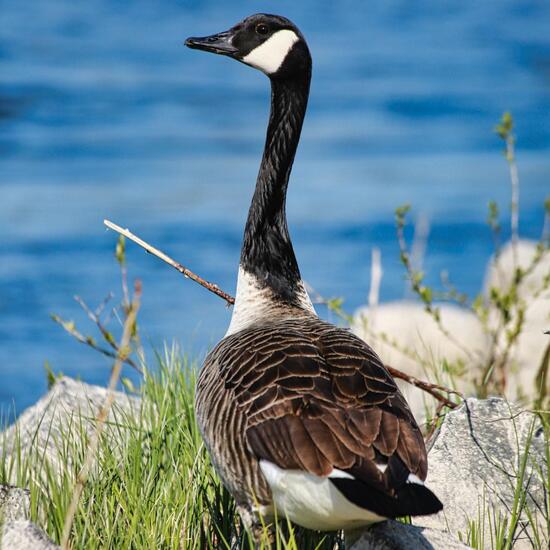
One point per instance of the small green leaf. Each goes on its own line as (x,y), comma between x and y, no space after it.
(426,294)
(120,250)
(505,126)
(418,277)
(51,377)
(110,338)
(128,384)
(401,213)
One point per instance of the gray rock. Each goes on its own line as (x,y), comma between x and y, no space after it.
(393,535)
(68,409)
(15,503)
(24,535)
(474,463)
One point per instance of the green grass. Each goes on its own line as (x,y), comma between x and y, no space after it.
(153,486)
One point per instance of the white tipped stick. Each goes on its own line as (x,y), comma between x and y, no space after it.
(432,389)
(170,261)
(151,249)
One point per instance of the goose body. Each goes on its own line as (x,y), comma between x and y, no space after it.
(298,416)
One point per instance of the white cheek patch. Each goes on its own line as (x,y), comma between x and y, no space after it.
(269,56)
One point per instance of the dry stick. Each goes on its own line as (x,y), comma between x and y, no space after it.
(123,350)
(428,387)
(176,265)
(425,386)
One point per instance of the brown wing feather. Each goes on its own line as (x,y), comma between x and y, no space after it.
(317,398)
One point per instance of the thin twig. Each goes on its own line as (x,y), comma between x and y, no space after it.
(123,350)
(433,424)
(423,292)
(176,265)
(89,341)
(514,179)
(428,387)
(99,309)
(505,130)
(419,245)
(95,319)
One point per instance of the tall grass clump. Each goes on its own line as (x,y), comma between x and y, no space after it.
(152,485)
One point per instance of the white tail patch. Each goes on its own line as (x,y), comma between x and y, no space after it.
(312,501)
(414,479)
(269,56)
(339,473)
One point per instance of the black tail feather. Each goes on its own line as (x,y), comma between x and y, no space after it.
(412,499)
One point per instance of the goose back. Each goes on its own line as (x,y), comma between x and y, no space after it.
(305,395)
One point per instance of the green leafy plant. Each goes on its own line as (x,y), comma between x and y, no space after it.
(502,311)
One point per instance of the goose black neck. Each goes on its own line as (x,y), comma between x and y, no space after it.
(267,250)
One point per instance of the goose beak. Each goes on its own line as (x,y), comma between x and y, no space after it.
(216,43)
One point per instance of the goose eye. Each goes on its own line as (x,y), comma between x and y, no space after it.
(262,29)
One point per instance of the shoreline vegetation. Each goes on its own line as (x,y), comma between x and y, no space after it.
(144,478)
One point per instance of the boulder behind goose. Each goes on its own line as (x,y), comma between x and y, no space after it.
(297,414)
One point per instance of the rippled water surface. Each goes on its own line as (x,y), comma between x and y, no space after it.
(104,114)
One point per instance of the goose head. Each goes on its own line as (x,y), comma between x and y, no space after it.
(270,43)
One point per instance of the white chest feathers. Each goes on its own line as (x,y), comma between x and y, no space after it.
(312,501)
(255,303)
(269,56)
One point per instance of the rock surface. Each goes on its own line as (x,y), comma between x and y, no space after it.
(70,407)
(15,503)
(474,462)
(24,535)
(393,535)
(408,338)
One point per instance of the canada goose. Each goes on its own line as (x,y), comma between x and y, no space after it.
(298,414)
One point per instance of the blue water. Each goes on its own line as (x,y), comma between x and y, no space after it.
(104,114)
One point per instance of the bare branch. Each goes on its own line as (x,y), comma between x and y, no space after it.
(428,387)
(176,265)
(95,319)
(432,389)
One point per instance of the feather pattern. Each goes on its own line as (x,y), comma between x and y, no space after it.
(305,395)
